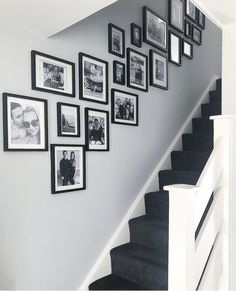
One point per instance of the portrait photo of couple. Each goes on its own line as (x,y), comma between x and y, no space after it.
(25,126)
(67,168)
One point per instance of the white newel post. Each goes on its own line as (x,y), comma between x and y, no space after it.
(223,127)
(181,237)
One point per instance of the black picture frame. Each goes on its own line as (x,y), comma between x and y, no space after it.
(197,40)
(70,174)
(190,10)
(163,29)
(71,125)
(102,132)
(157,59)
(113,45)
(47,76)
(118,76)
(118,111)
(188,29)
(172,47)
(136,35)
(20,131)
(95,91)
(174,16)
(184,51)
(132,81)
(201,19)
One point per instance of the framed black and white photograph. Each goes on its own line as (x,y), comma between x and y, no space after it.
(201,19)
(187,49)
(174,48)
(68,170)
(25,123)
(190,10)
(118,73)
(188,29)
(96,130)
(197,35)
(93,79)
(155,29)
(124,107)
(176,14)
(136,35)
(116,40)
(137,70)
(68,120)
(53,75)
(158,70)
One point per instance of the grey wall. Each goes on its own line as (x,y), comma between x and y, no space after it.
(51,242)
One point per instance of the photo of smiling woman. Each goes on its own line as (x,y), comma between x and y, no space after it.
(25,123)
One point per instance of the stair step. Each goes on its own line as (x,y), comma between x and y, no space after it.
(215,96)
(157,205)
(114,282)
(211,109)
(169,177)
(198,142)
(189,160)
(141,265)
(202,125)
(219,84)
(149,232)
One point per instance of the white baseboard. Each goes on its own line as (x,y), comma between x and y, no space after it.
(102,266)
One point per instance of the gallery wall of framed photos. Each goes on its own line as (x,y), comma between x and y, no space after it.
(92,189)
(25,119)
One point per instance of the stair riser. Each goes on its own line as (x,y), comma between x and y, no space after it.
(215,96)
(219,84)
(202,126)
(157,206)
(154,237)
(195,143)
(188,162)
(149,276)
(211,109)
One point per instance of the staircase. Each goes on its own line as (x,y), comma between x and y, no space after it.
(142,264)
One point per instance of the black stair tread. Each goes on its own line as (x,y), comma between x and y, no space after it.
(212,104)
(157,205)
(114,282)
(216,91)
(150,232)
(140,253)
(198,141)
(144,219)
(202,125)
(142,265)
(169,177)
(189,160)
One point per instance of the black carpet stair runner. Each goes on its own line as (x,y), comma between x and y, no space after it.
(142,263)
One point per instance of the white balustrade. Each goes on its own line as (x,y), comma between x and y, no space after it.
(191,260)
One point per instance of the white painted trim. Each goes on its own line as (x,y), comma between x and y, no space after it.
(121,235)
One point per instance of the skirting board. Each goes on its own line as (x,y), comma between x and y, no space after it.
(102,266)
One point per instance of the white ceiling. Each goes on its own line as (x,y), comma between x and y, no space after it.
(47,17)
(222,12)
